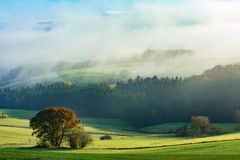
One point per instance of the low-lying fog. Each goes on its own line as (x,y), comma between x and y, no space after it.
(75,31)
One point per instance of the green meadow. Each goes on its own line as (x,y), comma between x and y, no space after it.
(127,142)
(171,127)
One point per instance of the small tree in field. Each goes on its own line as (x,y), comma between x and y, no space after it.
(78,139)
(200,122)
(52,125)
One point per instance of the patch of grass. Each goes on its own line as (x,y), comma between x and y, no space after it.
(107,125)
(97,74)
(211,151)
(171,127)
(13,136)
(19,113)
(91,124)
(163,128)
(17,143)
(126,140)
(14,122)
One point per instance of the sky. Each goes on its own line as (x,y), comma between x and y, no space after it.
(33,31)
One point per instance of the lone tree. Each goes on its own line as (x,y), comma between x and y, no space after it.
(52,125)
(200,122)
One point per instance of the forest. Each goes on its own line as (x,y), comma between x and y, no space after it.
(140,101)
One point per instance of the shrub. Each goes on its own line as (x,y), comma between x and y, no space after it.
(185,131)
(4,115)
(79,139)
(200,123)
(215,129)
(237,128)
(43,143)
(106,137)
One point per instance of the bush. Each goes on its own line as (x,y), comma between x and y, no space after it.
(106,137)
(237,127)
(79,139)
(185,131)
(4,115)
(43,143)
(215,129)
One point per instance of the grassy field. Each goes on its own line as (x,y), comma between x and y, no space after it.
(207,151)
(171,127)
(90,74)
(99,73)
(17,113)
(16,142)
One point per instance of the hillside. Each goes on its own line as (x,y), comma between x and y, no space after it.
(110,71)
(172,127)
(119,80)
(219,72)
(155,100)
(126,142)
(207,151)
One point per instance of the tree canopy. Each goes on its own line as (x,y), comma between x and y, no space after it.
(53,124)
(200,122)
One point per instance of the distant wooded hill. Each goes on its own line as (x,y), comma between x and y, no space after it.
(140,101)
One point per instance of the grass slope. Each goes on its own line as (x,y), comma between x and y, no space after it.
(90,74)
(16,142)
(18,118)
(19,113)
(121,140)
(207,151)
(170,127)
(14,136)
(107,125)
(99,73)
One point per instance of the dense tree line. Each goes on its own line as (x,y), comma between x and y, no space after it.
(140,101)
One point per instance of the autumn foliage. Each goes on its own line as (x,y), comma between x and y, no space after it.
(54,124)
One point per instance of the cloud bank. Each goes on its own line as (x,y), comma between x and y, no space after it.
(79,30)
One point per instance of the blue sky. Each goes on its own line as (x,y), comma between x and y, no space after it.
(20,10)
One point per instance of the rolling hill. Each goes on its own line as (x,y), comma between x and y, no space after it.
(111,70)
(17,143)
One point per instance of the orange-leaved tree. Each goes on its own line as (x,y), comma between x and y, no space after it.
(53,124)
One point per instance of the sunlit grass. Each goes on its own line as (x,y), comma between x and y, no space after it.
(16,142)
(127,139)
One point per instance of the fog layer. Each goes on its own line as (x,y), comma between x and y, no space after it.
(91,30)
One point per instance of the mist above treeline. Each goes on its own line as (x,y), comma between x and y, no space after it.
(177,62)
